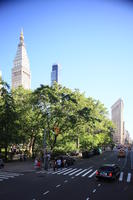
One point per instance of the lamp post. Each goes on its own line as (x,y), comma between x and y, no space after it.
(45,152)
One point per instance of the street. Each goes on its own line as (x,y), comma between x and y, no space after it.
(76,182)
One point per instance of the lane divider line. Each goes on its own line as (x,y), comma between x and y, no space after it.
(121,176)
(58,186)
(129,177)
(46,192)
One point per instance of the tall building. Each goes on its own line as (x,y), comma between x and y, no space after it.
(1,74)
(21,75)
(117,118)
(0,78)
(55,74)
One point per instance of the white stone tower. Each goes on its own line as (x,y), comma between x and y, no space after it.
(117,118)
(21,75)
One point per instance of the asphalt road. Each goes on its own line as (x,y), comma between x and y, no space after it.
(77,183)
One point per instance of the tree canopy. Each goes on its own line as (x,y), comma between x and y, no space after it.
(71,120)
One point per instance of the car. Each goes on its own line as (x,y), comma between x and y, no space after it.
(121,153)
(108,171)
(87,154)
(97,151)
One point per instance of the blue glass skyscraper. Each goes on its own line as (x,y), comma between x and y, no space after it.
(55,74)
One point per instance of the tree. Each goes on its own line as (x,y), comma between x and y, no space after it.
(8,117)
(29,129)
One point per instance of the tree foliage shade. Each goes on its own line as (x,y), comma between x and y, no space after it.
(71,121)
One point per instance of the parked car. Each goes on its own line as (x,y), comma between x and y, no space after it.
(97,151)
(108,171)
(87,154)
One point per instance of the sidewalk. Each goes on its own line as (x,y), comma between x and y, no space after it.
(19,166)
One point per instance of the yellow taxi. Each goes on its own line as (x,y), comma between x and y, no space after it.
(121,153)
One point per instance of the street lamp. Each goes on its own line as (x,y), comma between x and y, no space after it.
(45,152)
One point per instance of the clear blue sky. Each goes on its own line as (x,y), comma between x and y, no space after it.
(92,40)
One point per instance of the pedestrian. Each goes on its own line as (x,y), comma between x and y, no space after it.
(24,157)
(1,163)
(58,162)
(54,164)
(35,163)
(39,164)
(21,156)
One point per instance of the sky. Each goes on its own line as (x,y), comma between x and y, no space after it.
(92,40)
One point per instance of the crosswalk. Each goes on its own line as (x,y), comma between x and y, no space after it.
(80,172)
(7,175)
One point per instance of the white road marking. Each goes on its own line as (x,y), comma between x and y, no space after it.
(75,172)
(99,185)
(4,178)
(7,176)
(59,170)
(1,179)
(64,171)
(86,173)
(58,186)
(46,192)
(70,171)
(40,172)
(50,171)
(81,172)
(121,176)
(94,191)
(65,181)
(12,174)
(88,198)
(129,177)
(92,174)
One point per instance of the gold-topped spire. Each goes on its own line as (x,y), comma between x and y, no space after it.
(21,35)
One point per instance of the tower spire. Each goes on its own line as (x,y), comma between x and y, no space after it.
(21,36)
(21,75)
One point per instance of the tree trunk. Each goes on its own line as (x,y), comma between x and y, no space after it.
(31,145)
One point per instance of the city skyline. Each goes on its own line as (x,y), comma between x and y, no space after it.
(91,40)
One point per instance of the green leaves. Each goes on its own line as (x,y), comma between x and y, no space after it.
(81,122)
